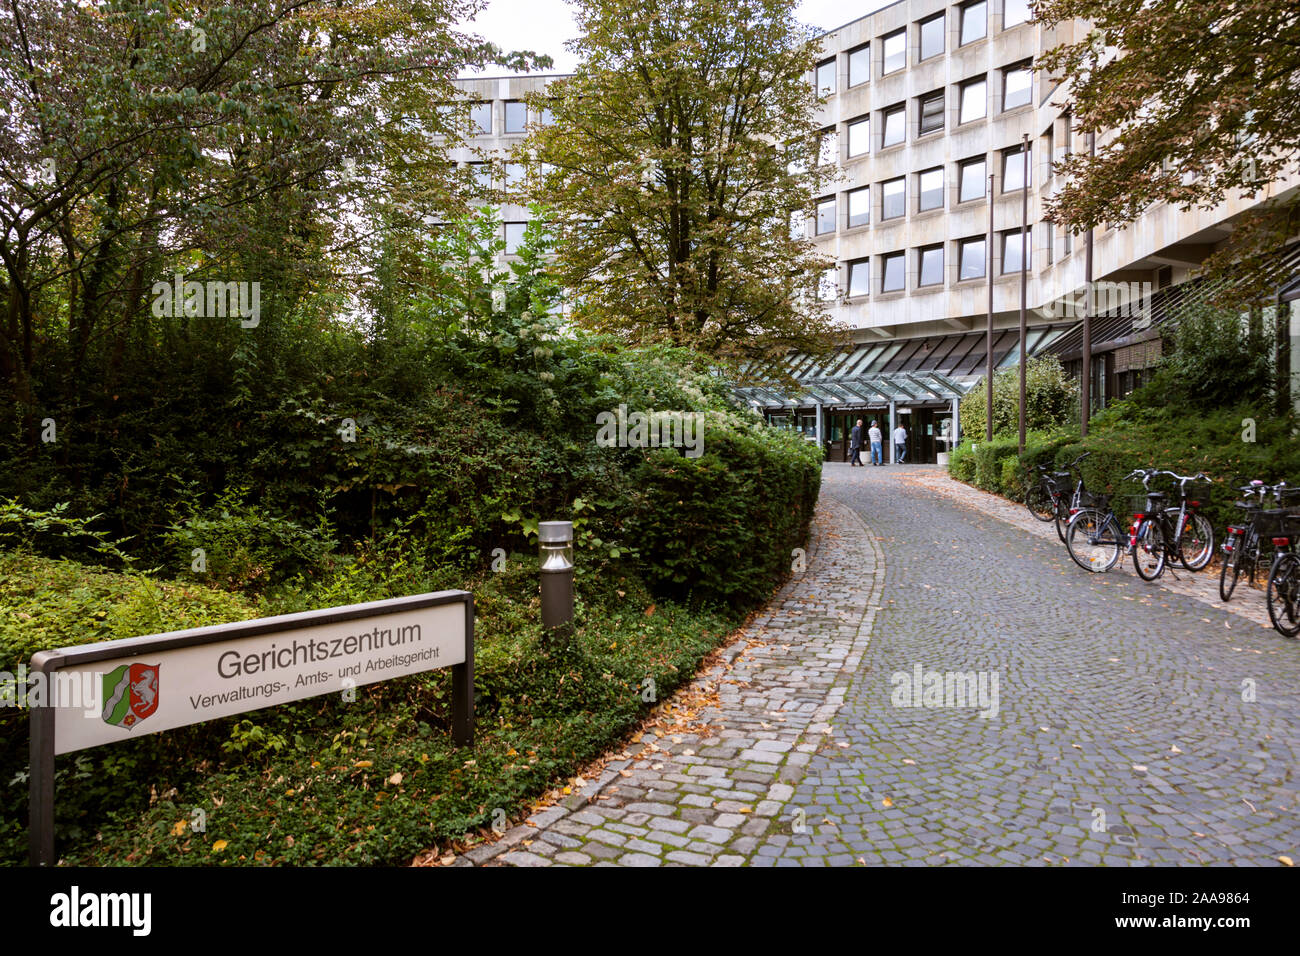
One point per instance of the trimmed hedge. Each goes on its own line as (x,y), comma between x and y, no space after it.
(721,528)
(1126,437)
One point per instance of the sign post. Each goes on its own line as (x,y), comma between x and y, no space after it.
(144,685)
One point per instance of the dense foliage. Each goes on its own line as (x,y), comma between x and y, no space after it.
(1051,399)
(381,461)
(1209,407)
(1192,104)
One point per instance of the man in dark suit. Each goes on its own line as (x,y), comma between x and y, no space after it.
(855,444)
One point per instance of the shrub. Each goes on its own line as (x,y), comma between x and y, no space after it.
(961,465)
(1211,361)
(238,545)
(721,527)
(1051,399)
(989,456)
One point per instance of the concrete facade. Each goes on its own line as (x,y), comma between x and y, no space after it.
(868,76)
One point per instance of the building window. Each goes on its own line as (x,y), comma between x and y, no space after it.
(1013,169)
(974,100)
(826,77)
(516,116)
(930,189)
(895,52)
(859,277)
(970,258)
(860,65)
(1011,251)
(1015,12)
(974,21)
(932,36)
(1067,242)
(828,148)
(894,127)
(1050,155)
(893,198)
(892,278)
(859,206)
(514,237)
(859,137)
(1017,83)
(931,113)
(480,116)
(482,173)
(930,267)
(826,284)
(825,216)
(971,175)
(1050,250)
(546,117)
(514,175)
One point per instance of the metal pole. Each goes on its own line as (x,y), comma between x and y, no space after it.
(40,805)
(988,335)
(462,686)
(555,542)
(1024,276)
(1085,385)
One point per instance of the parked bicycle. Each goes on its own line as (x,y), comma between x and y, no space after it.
(1246,546)
(1050,498)
(1094,537)
(1164,534)
(1283,592)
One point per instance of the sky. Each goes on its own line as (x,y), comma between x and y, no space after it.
(543,25)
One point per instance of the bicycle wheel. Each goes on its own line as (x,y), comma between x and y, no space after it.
(1094,540)
(1149,555)
(1231,569)
(1040,503)
(1283,595)
(1196,545)
(1062,517)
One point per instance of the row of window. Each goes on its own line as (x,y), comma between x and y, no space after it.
(514,116)
(930,113)
(930,39)
(928,262)
(971,183)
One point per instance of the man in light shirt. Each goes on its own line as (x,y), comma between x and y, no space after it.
(876,439)
(900,443)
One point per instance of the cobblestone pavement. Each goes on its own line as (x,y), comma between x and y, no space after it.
(1122,724)
(1248,602)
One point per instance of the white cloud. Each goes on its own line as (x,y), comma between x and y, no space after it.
(542,26)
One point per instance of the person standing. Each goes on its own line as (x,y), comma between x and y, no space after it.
(855,444)
(900,443)
(876,439)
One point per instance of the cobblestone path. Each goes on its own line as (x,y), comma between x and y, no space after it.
(1121,724)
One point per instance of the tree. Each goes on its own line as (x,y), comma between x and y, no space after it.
(1197,100)
(678,161)
(252,141)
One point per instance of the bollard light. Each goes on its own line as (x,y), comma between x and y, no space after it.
(555,542)
(555,546)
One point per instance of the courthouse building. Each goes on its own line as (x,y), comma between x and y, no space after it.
(928,106)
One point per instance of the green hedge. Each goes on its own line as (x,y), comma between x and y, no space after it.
(1127,436)
(721,528)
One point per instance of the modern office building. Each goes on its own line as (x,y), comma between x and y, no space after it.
(929,108)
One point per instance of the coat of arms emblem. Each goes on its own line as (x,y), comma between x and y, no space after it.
(130,694)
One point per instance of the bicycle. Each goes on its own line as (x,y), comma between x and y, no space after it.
(1046,500)
(1164,535)
(1244,545)
(1282,594)
(1094,537)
